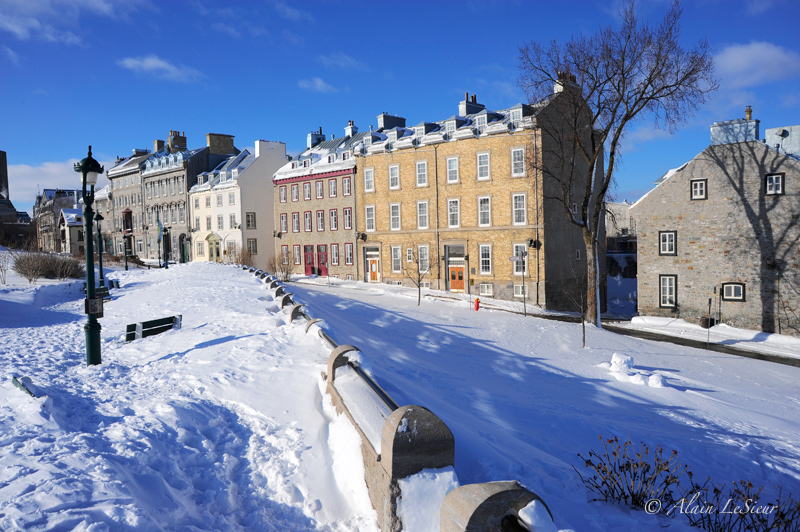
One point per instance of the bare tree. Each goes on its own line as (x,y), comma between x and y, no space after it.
(417,267)
(5,263)
(281,266)
(604,83)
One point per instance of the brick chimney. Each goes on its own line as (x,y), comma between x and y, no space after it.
(350,130)
(157,145)
(176,142)
(220,144)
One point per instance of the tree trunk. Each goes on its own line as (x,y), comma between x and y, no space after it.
(592,279)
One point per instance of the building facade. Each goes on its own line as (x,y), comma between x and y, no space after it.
(720,235)
(47,213)
(231,207)
(71,231)
(122,206)
(315,207)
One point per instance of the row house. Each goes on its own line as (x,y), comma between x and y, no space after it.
(231,207)
(315,209)
(719,236)
(122,206)
(462,201)
(71,231)
(47,213)
(167,175)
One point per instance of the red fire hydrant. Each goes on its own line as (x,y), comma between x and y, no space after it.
(477,303)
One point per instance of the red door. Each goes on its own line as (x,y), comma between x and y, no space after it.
(322,260)
(308,251)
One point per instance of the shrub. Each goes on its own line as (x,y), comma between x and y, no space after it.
(33,266)
(30,265)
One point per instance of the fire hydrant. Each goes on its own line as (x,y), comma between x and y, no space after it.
(477,303)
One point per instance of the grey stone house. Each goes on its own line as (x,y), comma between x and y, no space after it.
(124,210)
(46,214)
(722,231)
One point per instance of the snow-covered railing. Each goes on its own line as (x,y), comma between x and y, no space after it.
(409,449)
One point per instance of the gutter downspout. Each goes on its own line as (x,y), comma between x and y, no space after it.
(438,251)
(536,194)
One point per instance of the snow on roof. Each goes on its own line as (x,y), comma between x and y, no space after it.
(72,217)
(660,181)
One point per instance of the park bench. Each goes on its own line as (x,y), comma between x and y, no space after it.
(143,329)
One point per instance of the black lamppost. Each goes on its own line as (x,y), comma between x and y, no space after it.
(125,244)
(98,218)
(167,241)
(90,171)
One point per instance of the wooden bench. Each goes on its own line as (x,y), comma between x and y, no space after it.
(143,329)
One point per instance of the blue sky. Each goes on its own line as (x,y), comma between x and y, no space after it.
(118,74)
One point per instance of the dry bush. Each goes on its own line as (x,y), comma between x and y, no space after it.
(5,264)
(30,265)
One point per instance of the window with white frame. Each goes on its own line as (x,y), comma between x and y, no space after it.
(347,214)
(668,291)
(452,169)
(334,216)
(284,223)
(369,217)
(295,222)
(219,200)
(345,155)
(295,193)
(348,254)
(396,262)
(450,126)
(668,242)
(521,264)
(231,198)
(201,251)
(296,254)
(250,218)
(774,184)
(346,186)
(197,203)
(486,289)
(485,253)
(480,123)
(285,254)
(320,190)
(483,166)
(520,290)
(331,188)
(394,216)
(196,223)
(208,201)
(369,180)
(233,222)
(422,215)
(307,220)
(453,213)
(180,185)
(394,176)
(331,158)
(220,222)
(306,191)
(335,254)
(252,246)
(484,211)
(517,162)
(699,189)
(733,292)
(320,220)
(181,213)
(516,116)
(518,205)
(424,258)
(422,173)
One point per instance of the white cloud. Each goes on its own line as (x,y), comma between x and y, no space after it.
(291,13)
(11,54)
(315,85)
(754,64)
(160,68)
(342,61)
(642,135)
(231,30)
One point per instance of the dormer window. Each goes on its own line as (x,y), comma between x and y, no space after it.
(235,173)
(306,163)
(345,155)
(368,140)
(294,164)
(450,126)
(480,122)
(516,116)
(419,131)
(331,158)
(392,136)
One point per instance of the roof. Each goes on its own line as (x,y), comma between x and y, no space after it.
(72,217)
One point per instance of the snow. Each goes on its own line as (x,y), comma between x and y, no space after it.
(422,496)
(364,405)
(536,517)
(224,424)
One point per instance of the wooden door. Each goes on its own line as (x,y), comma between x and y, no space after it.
(322,259)
(308,251)
(457,278)
(372,264)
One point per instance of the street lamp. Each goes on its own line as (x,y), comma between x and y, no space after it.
(98,218)
(90,170)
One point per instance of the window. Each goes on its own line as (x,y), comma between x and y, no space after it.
(774,184)
(320,190)
(334,215)
(520,290)
(295,222)
(452,169)
(480,123)
(424,258)
(201,249)
(285,254)
(369,217)
(219,200)
(307,220)
(172,187)
(348,254)
(252,246)
(295,196)
(208,223)
(220,222)
(233,221)
(577,254)
(320,220)
(484,211)
(196,223)
(180,185)
(516,116)
(422,173)
(208,201)
(155,189)
(668,286)
(667,242)
(250,220)
(486,289)
(148,188)
(396,263)
(347,214)
(172,212)
(453,213)
(346,186)
(394,216)
(517,162)
(485,252)
(296,252)
(197,203)
(369,180)
(699,189)
(422,215)
(345,155)
(518,205)
(284,223)
(335,254)
(521,265)
(394,176)
(231,198)
(483,166)
(306,191)
(181,213)
(331,188)
(331,158)
(733,292)
(450,126)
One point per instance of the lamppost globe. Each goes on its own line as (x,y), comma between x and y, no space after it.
(89,169)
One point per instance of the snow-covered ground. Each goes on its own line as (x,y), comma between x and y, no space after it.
(222,425)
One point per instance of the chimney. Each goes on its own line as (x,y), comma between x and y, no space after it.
(470,106)
(387,121)
(220,144)
(748,113)
(176,142)
(314,138)
(350,130)
(157,145)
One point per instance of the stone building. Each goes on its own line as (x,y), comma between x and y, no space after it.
(47,213)
(315,208)
(462,199)
(123,212)
(167,175)
(70,229)
(723,231)
(231,207)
